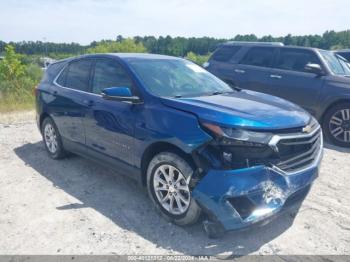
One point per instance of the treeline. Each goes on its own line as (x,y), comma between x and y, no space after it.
(180,46)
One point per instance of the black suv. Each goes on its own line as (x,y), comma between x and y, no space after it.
(344,53)
(317,80)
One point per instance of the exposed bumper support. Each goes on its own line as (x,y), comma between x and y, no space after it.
(239,198)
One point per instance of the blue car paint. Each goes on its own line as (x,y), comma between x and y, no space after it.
(247,109)
(120,133)
(117,91)
(255,183)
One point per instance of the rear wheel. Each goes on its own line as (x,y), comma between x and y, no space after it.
(52,139)
(336,125)
(168,183)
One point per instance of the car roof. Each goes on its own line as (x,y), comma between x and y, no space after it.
(229,43)
(342,51)
(123,56)
(266,44)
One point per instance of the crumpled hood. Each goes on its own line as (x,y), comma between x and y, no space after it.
(248,109)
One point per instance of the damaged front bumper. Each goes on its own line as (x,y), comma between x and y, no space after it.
(238,198)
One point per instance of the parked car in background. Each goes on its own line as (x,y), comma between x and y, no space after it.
(196,144)
(318,80)
(344,53)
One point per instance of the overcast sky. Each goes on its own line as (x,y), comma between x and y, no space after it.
(86,20)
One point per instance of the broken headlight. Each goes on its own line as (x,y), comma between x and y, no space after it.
(238,137)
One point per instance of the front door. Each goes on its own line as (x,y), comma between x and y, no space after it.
(109,124)
(291,81)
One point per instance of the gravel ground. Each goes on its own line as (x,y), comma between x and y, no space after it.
(73,206)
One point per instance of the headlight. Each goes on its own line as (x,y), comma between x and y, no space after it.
(239,137)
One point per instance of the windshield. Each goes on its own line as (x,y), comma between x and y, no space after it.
(177,78)
(337,64)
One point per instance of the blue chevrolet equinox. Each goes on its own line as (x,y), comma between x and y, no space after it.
(238,157)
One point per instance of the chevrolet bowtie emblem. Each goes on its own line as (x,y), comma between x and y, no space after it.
(307,129)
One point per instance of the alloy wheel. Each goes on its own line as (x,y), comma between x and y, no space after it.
(50,138)
(171,189)
(339,125)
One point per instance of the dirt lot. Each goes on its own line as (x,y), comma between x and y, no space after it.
(74,206)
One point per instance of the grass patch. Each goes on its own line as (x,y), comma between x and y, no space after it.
(14,102)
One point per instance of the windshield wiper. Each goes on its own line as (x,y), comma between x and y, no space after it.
(221,92)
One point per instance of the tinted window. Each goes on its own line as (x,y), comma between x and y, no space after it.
(225,53)
(76,75)
(259,56)
(345,55)
(52,71)
(109,73)
(296,60)
(61,80)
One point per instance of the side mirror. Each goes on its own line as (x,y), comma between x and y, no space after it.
(314,68)
(119,94)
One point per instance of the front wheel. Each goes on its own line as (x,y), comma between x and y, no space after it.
(336,125)
(168,183)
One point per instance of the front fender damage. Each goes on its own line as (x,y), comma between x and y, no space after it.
(235,199)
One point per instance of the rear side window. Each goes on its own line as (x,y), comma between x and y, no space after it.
(258,56)
(296,60)
(225,53)
(109,73)
(52,71)
(76,75)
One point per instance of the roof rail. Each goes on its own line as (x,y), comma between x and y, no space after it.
(253,43)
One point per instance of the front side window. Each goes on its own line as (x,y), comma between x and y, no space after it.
(259,56)
(296,59)
(76,75)
(109,73)
(337,64)
(345,55)
(177,78)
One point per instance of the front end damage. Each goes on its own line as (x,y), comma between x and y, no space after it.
(240,185)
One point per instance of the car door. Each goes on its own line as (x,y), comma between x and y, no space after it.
(222,63)
(291,81)
(253,70)
(69,107)
(109,124)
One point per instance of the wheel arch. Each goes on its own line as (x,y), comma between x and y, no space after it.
(332,104)
(42,117)
(157,148)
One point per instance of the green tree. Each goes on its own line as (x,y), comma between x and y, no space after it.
(11,67)
(198,59)
(124,46)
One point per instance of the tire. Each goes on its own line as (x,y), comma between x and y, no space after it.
(52,139)
(161,168)
(336,125)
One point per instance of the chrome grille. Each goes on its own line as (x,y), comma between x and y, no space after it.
(297,151)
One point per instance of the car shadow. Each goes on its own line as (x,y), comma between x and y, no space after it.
(123,201)
(336,148)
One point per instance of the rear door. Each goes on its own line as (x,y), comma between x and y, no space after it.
(291,81)
(69,106)
(110,124)
(253,70)
(222,63)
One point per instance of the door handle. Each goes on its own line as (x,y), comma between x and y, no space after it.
(239,71)
(88,102)
(276,76)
